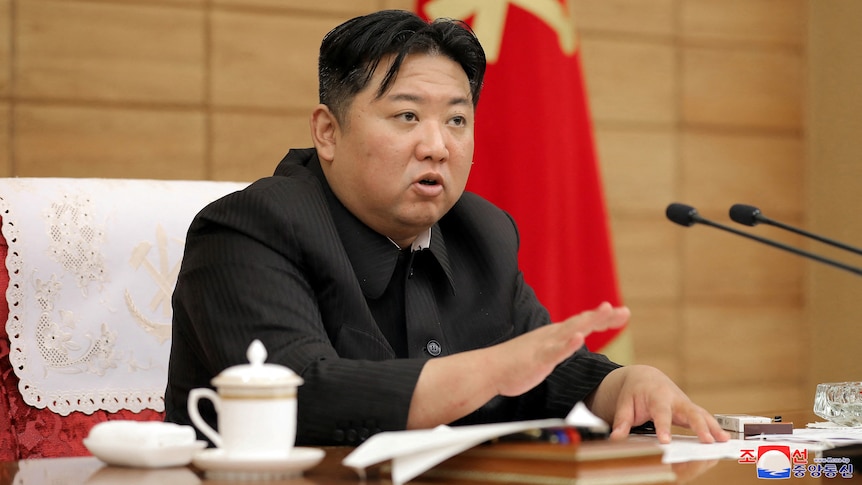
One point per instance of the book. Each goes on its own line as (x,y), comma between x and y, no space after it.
(636,460)
(411,453)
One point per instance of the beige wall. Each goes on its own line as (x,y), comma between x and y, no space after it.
(700,101)
(178,89)
(833,175)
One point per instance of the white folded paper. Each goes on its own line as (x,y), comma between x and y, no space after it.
(416,451)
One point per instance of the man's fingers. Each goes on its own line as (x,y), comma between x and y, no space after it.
(707,428)
(633,394)
(600,318)
(621,430)
(697,424)
(623,419)
(661,418)
(702,423)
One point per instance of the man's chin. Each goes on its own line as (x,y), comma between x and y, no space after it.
(419,223)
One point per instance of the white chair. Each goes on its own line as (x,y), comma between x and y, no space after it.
(91,267)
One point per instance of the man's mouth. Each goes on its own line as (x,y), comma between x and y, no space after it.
(429,185)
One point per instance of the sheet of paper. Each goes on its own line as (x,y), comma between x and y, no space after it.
(814,437)
(688,448)
(415,451)
(826,435)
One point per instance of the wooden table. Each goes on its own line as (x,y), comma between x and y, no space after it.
(644,469)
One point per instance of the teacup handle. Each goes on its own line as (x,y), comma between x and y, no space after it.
(194,396)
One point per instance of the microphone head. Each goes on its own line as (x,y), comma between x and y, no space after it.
(684,215)
(745,214)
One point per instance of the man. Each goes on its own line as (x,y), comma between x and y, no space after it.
(364,266)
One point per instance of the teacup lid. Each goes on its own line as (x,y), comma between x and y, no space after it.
(257,373)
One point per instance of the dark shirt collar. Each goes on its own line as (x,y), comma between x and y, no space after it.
(372,255)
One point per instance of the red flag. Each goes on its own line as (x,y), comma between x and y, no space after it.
(535,156)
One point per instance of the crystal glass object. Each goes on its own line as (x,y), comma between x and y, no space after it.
(839,402)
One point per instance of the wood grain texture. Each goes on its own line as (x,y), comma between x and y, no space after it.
(699,101)
(5,47)
(64,141)
(109,52)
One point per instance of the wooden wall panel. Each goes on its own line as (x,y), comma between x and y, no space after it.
(249,146)
(639,169)
(699,101)
(724,268)
(345,8)
(655,17)
(648,270)
(64,141)
(721,169)
(760,398)
(657,334)
(5,142)
(629,81)
(648,265)
(743,87)
(266,61)
(5,88)
(398,4)
(747,344)
(107,52)
(743,21)
(834,185)
(755,360)
(5,47)
(630,66)
(190,4)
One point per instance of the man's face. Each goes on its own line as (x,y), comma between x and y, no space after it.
(400,162)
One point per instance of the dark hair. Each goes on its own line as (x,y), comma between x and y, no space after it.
(351,52)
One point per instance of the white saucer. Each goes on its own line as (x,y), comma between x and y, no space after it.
(219,465)
(132,455)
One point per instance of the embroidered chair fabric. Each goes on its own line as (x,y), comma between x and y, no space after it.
(85,323)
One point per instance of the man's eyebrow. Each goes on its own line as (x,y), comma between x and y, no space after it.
(417,99)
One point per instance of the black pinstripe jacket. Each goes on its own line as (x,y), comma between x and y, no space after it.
(284,262)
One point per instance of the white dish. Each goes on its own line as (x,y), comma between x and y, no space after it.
(219,465)
(116,475)
(130,455)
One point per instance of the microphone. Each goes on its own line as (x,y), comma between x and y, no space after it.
(686,215)
(751,216)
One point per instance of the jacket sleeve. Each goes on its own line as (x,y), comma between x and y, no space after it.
(570,382)
(573,379)
(245,275)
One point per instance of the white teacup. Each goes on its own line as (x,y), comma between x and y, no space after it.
(255,405)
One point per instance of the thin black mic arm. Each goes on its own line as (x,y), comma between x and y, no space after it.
(686,215)
(751,216)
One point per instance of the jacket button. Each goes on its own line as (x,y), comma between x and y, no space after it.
(433,348)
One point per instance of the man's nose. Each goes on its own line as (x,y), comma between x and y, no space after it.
(432,143)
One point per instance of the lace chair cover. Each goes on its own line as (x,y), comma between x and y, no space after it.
(90,265)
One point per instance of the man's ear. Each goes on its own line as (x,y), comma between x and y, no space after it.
(324,128)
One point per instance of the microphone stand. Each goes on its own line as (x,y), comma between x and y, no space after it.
(751,216)
(686,215)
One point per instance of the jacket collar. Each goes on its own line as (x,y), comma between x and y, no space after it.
(372,255)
